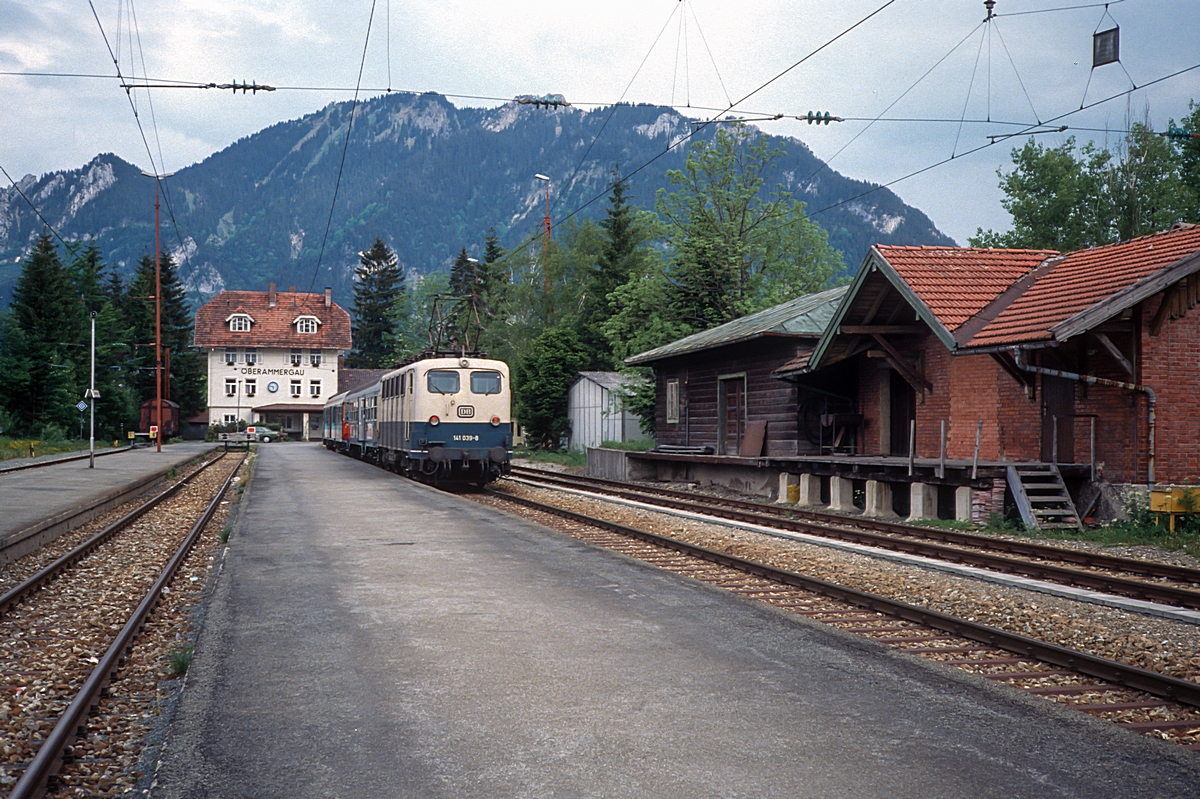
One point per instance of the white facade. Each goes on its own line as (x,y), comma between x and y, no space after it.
(241,379)
(596,413)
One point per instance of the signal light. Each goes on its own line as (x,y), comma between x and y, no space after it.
(495,421)
(434,421)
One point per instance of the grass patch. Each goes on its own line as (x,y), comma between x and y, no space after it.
(179,660)
(568,458)
(644,445)
(944,524)
(172,473)
(1140,529)
(226,531)
(22,447)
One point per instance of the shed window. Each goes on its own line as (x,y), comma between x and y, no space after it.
(442,381)
(673,401)
(485,382)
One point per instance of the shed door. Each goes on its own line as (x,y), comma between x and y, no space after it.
(731,415)
(904,411)
(1058,402)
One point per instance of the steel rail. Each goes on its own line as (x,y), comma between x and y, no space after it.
(33,783)
(1151,682)
(48,573)
(56,461)
(958,537)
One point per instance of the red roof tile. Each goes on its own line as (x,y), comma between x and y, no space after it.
(272,324)
(1083,279)
(958,282)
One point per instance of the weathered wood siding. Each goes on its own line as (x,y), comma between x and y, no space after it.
(767,398)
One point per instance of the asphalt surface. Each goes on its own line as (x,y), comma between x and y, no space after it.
(30,495)
(370,637)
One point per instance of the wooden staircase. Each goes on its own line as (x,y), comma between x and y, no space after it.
(1042,498)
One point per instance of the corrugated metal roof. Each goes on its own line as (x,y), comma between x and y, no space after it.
(805,316)
(611,381)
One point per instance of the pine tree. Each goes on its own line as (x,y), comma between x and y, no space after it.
(40,341)
(378,284)
(466,288)
(188,376)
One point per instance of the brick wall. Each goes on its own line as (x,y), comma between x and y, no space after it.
(1170,365)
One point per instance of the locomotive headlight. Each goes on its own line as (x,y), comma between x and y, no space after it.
(434,421)
(495,421)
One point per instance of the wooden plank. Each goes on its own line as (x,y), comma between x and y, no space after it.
(871,330)
(752,443)
(1164,308)
(906,370)
(1114,351)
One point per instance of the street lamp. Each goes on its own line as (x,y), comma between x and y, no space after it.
(157,311)
(546,235)
(92,395)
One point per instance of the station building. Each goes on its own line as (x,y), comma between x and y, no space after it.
(955,382)
(273,357)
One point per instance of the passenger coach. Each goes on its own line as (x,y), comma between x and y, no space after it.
(440,418)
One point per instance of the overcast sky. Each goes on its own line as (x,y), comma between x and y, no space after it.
(590,52)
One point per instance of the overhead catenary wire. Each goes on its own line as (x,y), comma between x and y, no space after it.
(346,146)
(156,167)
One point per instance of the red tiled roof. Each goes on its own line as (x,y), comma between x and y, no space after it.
(958,282)
(1081,280)
(272,324)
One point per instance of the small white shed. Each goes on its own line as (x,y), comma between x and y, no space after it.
(596,413)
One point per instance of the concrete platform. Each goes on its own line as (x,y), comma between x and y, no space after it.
(37,504)
(371,637)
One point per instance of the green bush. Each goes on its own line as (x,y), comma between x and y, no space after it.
(643,445)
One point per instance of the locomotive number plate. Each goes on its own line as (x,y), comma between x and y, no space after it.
(466,438)
(466,411)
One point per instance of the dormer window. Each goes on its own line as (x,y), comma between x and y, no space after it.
(239,322)
(306,323)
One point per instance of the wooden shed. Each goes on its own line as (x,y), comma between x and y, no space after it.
(718,393)
(597,413)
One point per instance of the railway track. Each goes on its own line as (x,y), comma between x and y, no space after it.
(67,631)
(1145,580)
(1138,699)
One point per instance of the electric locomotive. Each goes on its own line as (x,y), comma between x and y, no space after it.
(440,418)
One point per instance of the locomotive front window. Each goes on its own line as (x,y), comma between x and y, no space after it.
(442,381)
(485,382)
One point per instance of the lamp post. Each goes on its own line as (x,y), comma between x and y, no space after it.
(93,395)
(157,313)
(546,234)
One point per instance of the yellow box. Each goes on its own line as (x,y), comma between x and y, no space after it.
(1175,500)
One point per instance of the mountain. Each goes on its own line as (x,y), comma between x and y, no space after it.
(427,177)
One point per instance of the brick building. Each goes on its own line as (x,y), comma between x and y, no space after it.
(1080,368)
(273,357)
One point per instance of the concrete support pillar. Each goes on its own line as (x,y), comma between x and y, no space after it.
(879,500)
(922,502)
(962,504)
(841,495)
(788,481)
(810,491)
(305,423)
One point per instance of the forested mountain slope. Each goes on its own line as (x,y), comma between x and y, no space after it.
(427,177)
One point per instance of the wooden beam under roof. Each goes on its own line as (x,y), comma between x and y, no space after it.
(895,330)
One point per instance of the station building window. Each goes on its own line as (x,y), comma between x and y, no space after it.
(230,386)
(251,387)
(306,324)
(251,355)
(297,357)
(230,355)
(230,418)
(239,323)
(673,401)
(314,388)
(295,388)
(314,357)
